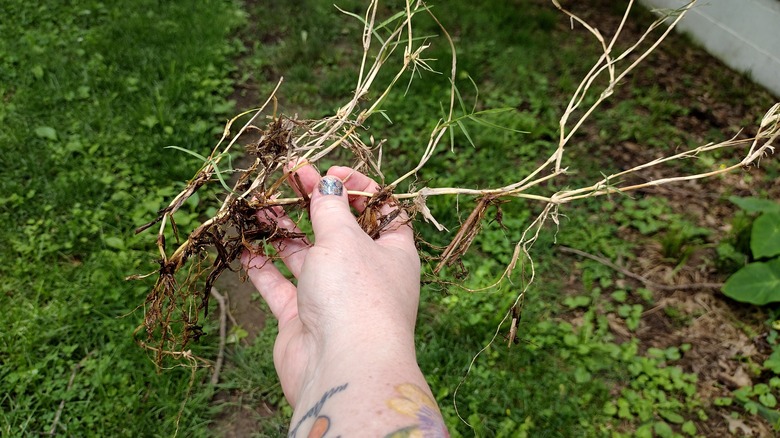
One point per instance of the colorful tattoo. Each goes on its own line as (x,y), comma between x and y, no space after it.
(415,403)
(321,423)
(320,427)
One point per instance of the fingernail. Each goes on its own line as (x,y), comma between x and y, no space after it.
(330,185)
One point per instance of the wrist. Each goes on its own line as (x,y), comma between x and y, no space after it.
(369,339)
(353,394)
(358,357)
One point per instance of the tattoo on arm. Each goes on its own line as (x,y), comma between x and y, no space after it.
(321,423)
(414,402)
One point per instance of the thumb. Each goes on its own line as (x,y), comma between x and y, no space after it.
(331,217)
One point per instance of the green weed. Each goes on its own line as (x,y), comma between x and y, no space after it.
(761,397)
(757,282)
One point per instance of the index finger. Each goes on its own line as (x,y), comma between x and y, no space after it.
(303,177)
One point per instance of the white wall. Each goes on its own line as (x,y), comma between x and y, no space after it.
(744,34)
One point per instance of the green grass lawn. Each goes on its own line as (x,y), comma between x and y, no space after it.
(92,95)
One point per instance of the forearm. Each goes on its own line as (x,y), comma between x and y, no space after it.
(366,392)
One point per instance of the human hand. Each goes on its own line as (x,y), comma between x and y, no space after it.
(353,295)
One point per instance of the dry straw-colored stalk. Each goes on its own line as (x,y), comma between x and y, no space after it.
(174,304)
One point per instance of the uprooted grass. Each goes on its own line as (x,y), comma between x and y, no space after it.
(317,139)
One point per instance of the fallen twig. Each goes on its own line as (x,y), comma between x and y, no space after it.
(57,416)
(646,281)
(222,334)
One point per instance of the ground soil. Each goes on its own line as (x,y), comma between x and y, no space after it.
(725,336)
(237,419)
